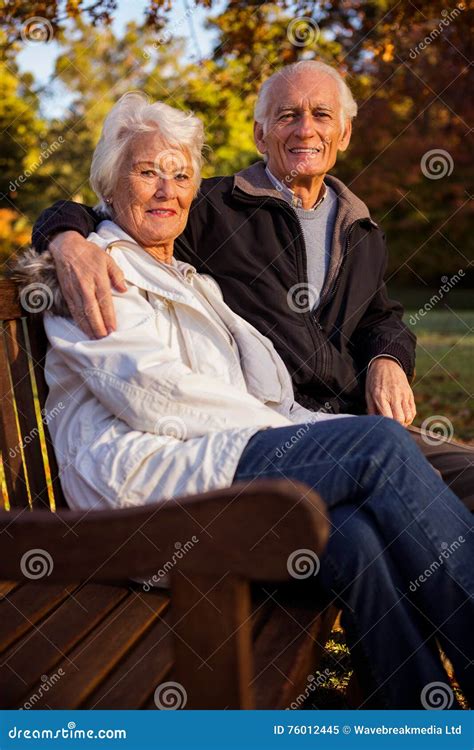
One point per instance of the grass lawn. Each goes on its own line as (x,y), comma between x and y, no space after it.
(444,390)
(444,381)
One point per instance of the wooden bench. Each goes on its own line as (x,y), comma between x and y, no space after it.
(233,631)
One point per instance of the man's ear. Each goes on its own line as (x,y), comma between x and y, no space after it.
(259,137)
(346,136)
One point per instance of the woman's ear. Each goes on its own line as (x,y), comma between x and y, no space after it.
(259,137)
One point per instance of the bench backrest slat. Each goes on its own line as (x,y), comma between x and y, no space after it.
(29,465)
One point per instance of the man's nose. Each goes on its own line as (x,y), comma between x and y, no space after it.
(305,128)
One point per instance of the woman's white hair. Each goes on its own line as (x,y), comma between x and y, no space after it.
(134,113)
(265,94)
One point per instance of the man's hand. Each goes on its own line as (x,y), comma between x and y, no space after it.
(388,392)
(85,275)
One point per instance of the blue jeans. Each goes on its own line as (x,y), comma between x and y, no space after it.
(400,557)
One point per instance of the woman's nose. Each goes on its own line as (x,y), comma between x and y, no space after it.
(166,188)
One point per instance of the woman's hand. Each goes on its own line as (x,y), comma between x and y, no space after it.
(85,276)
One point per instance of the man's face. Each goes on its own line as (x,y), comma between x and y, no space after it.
(304,132)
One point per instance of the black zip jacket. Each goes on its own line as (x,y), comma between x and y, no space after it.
(249,239)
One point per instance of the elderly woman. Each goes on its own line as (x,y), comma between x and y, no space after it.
(185,397)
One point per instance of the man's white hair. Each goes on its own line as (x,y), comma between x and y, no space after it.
(264,99)
(134,113)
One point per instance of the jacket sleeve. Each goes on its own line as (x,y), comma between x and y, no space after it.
(60,217)
(142,382)
(381,329)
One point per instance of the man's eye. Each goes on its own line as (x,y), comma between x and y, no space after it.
(287,116)
(321,114)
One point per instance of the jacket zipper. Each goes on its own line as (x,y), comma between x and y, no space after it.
(332,292)
(312,323)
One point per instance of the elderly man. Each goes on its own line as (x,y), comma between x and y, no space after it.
(295,252)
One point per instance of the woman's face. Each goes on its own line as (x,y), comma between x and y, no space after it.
(154,190)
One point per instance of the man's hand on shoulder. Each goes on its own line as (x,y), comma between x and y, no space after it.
(388,392)
(85,275)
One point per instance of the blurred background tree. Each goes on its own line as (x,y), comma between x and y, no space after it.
(412,98)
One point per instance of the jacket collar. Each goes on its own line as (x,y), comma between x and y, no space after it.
(255,182)
(138,266)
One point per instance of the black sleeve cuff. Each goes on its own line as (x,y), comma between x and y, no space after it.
(61,217)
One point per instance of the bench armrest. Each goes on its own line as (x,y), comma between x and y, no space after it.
(248,530)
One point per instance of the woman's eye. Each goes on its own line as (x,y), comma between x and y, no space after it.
(182,176)
(148,172)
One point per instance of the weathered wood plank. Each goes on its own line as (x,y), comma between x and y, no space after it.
(99,654)
(38,344)
(6,587)
(25,606)
(10,307)
(288,649)
(213,636)
(19,358)
(140,672)
(40,650)
(10,439)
